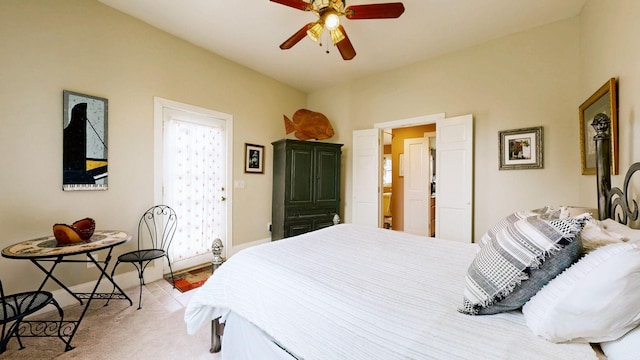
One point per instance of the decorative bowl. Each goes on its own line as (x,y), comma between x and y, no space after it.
(85,228)
(81,230)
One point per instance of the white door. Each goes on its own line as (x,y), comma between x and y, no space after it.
(193,177)
(366,170)
(416,186)
(454,178)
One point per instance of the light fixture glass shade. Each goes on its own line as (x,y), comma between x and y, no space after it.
(315,31)
(331,20)
(336,35)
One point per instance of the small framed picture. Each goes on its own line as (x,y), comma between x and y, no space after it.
(602,101)
(521,149)
(253,158)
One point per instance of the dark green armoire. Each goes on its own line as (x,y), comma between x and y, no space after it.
(306,186)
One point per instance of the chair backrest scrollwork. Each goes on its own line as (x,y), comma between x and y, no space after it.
(158,225)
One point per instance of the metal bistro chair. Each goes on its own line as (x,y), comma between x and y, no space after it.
(158,224)
(16,307)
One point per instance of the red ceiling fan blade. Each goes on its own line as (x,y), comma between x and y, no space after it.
(345,47)
(374,11)
(296,4)
(295,38)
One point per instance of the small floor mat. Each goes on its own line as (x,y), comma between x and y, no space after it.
(191,279)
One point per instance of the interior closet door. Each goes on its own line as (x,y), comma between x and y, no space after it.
(454,178)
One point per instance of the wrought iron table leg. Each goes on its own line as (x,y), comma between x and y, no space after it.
(49,275)
(6,336)
(61,328)
(88,296)
(109,277)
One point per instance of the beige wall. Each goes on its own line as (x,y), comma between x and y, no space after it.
(523,80)
(609,48)
(84,46)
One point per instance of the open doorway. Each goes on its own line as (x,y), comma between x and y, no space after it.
(395,194)
(453,168)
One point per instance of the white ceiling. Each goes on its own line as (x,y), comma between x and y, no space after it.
(249,32)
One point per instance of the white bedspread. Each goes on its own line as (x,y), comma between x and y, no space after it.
(352,292)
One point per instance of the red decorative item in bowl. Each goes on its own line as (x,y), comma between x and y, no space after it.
(85,228)
(81,230)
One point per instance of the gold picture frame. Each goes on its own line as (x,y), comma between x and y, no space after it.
(602,101)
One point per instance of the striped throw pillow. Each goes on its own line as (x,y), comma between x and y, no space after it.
(520,259)
(546,212)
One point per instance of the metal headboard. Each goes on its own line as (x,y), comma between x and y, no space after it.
(613,203)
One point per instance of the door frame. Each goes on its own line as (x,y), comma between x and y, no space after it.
(423,120)
(161,103)
(415,121)
(430,165)
(394,124)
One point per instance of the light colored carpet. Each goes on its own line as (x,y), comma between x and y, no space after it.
(120,331)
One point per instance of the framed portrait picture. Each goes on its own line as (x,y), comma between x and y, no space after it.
(602,101)
(253,158)
(84,155)
(521,149)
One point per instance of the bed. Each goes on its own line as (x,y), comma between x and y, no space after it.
(354,292)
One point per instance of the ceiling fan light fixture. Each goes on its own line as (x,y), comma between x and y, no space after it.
(336,35)
(315,31)
(331,20)
(329,13)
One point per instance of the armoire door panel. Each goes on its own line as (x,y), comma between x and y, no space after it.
(328,171)
(301,184)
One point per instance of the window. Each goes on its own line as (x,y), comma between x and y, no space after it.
(386,168)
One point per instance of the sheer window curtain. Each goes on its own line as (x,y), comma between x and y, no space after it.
(193,182)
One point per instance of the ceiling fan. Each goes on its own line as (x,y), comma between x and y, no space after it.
(329,12)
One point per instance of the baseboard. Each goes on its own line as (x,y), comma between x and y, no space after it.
(179,273)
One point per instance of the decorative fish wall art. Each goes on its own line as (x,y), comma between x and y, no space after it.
(308,125)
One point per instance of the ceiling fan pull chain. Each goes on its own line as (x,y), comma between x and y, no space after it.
(327,42)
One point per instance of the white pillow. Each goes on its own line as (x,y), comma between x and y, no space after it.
(594,236)
(625,348)
(573,211)
(626,232)
(597,299)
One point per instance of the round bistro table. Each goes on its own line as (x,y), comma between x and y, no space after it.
(45,250)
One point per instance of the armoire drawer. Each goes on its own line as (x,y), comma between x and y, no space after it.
(302,213)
